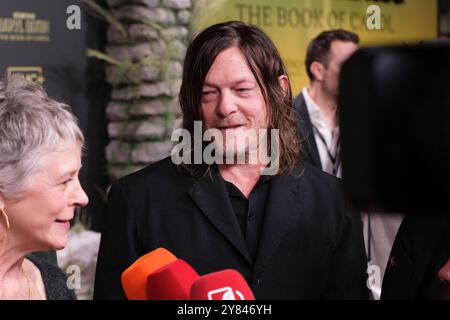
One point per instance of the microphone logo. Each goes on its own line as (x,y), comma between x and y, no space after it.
(225,293)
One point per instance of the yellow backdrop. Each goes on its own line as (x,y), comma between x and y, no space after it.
(293,23)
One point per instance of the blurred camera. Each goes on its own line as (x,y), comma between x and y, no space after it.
(395,125)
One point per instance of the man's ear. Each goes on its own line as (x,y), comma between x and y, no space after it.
(317,69)
(284,82)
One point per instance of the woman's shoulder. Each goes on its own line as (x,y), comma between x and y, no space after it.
(55,280)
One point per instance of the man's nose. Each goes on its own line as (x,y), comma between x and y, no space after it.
(227,104)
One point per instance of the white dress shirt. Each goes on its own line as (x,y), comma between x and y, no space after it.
(327,141)
(380,229)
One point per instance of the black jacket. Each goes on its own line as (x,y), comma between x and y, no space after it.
(310,151)
(311,245)
(420,250)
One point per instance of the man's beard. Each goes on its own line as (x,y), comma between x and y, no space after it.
(239,148)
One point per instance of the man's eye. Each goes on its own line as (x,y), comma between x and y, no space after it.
(66,181)
(243,89)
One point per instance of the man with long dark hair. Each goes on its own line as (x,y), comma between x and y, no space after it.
(287,230)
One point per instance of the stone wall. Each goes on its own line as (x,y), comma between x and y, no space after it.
(145,75)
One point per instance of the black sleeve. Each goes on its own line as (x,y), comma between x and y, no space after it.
(420,249)
(398,276)
(347,271)
(118,246)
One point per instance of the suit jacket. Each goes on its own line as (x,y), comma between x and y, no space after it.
(311,245)
(310,151)
(421,249)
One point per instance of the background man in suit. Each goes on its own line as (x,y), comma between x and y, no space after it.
(290,235)
(317,104)
(317,109)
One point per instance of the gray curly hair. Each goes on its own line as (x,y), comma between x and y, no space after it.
(31,125)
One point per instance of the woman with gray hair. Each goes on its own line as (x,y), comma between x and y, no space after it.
(40,158)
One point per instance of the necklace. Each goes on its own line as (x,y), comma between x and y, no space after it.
(30,292)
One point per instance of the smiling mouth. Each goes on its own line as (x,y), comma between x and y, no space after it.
(62,221)
(230,127)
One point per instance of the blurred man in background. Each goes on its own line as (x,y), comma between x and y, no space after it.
(317,109)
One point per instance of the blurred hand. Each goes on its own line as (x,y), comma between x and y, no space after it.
(444,275)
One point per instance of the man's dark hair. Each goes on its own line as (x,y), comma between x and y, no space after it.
(319,48)
(266,65)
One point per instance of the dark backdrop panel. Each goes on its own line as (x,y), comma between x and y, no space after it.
(56,56)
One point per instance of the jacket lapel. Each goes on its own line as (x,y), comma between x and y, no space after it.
(211,197)
(306,132)
(284,199)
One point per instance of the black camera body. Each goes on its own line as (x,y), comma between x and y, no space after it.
(394,109)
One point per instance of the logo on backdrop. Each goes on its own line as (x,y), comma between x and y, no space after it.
(34,74)
(24,26)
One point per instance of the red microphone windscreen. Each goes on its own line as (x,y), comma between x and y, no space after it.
(171,282)
(222,285)
(134,278)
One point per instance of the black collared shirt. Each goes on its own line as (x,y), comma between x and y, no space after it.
(250,212)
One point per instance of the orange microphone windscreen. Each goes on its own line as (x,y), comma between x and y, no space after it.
(134,278)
